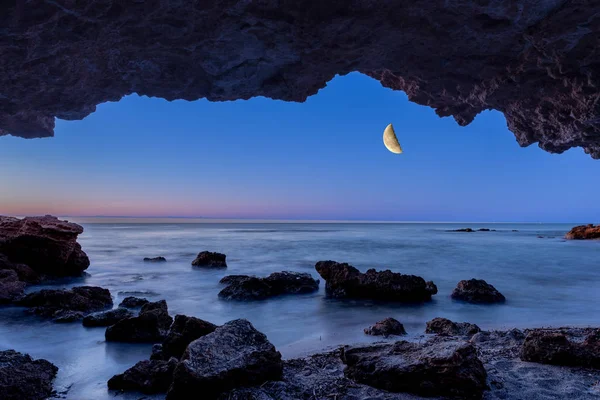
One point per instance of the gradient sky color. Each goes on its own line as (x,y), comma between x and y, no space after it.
(323,159)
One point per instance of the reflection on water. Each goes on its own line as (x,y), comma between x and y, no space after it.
(546,282)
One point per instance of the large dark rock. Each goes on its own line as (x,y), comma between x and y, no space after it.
(11,288)
(242,287)
(431,369)
(554,347)
(443,326)
(210,259)
(45,244)
(477,291)
(184,331)
(133,302)
(234,355)
(24,272)
(148,376)
(150,326)
(386,327)
(344,280)
(106,318)
(22,378)
(155,259)
(584,232)
(56,303)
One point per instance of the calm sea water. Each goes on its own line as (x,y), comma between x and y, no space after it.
(547,282)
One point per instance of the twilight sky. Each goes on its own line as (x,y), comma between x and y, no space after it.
(323,159)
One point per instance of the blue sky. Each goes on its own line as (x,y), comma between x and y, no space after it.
(322,159)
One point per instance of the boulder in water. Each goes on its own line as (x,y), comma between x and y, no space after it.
(184,331)
(345,281)
(477,291)
(210,259)
(23,378)
(11,288)
(242,287)
(386,327)
(150,326)
(65,304)
(443,326)
(106,318)
(155,259)
(133,302)
(148,376)
(584,232)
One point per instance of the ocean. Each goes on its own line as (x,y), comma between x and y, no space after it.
(547,281)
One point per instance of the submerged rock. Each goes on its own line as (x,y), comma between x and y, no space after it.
(133,302)
(477,291)
(242,287)
(184,331)
(150,326)
(345,281)
(430,369)
(443,326)
(584,232)
(148,376)
(234,355)
(46,244)
(386,327)
(60,303)
(23,378)
(11,288)
(155,259)
(554,347)
(66,316)
(106,318)
(462,230)
(210,259)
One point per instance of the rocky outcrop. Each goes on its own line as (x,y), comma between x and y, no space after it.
(45,244)
(477,291)
(24,272)
(210,260)
(23,378)
(11,288)
(555,347)
(234,355)
(66,305)
(386,327)
(584,232)
(243,287)
(184,331)
(148,376)
(150,326)
(469,230)
(443,326)
(345,281)
(430,369)
(536,61)
(133,302)
(106,318)
(155,259)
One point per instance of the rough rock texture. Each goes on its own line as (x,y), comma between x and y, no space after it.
(184,331)
(106,318)
(11,288)
(25,273)
(133,302)
(22,378)
(344,280)
(555,347)
(477,291)
(535,61)
(210,259)
(151,325)
(234,355)
(148,376)
(243,287)
(46,244)
(583,232)
(386,327)
(155,259)
(443,326)
(63,305)
(430,369)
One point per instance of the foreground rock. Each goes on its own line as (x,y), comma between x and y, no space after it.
(11,288)
(45,244)
(210,259)
(24,272)
(150,326)
(584,232)
(106,318)
(242,287)
(234,355)
(184,331)
(148,376)
(386,327)
(22,378)
(443,326)
(477,291)
(430,369)
(67,305)
(155,259)
(345,281)
(554,347)
(133,302)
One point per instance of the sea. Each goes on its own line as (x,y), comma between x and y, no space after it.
(547,281)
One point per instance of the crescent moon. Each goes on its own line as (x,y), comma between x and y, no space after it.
(390,140)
